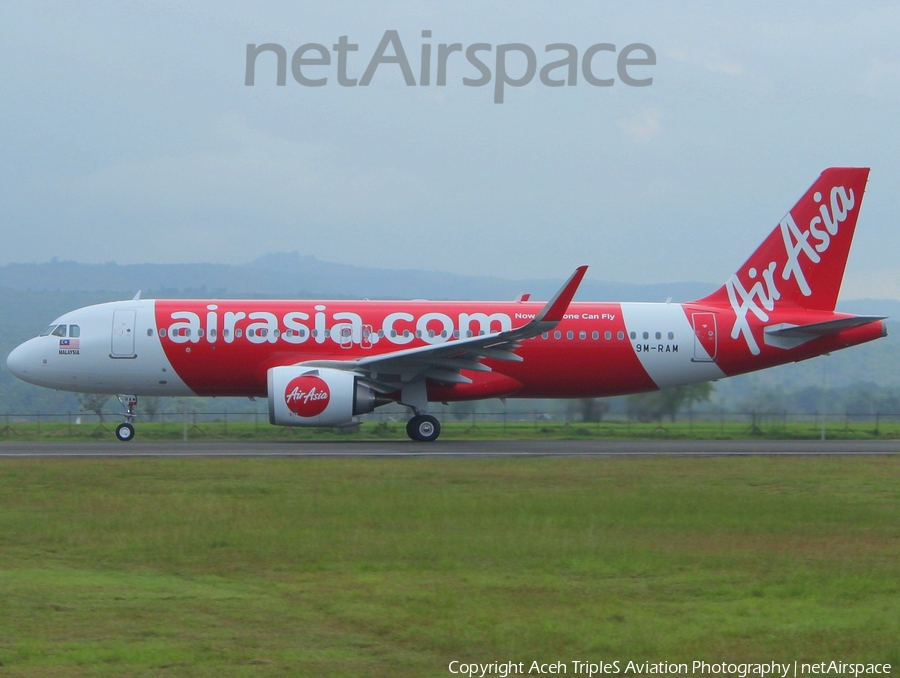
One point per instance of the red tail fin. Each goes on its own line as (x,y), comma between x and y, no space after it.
(802,261)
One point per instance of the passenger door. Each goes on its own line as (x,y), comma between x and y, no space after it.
(123,334)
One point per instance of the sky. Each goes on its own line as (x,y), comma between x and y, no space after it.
(128,134)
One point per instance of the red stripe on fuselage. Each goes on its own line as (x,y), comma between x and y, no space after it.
(224,348)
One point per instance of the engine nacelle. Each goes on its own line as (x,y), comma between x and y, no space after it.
(305,396)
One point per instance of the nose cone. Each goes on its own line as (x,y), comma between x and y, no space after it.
(17,361)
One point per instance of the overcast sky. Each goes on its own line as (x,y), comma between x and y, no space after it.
(128,135)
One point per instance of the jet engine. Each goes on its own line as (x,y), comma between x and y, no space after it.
(304,396)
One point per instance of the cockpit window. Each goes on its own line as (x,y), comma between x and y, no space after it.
(74,331)
(60,331)
(48,331)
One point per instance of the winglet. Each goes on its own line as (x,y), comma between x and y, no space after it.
(556,308)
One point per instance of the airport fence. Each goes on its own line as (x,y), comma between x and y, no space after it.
(194,425)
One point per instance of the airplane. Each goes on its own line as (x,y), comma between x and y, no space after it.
(323,363)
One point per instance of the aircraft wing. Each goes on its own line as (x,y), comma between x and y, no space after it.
(443,362)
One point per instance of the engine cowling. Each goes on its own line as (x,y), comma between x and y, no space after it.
(304,396)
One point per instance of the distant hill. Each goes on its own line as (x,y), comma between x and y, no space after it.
(295,276)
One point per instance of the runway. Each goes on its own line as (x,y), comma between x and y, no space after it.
(453,449)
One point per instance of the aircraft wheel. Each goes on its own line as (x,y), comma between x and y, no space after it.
(424,428)
(125,432)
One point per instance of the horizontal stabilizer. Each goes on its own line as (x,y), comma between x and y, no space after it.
(788,336)
(821,329)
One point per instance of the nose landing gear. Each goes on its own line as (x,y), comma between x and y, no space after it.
(125,432)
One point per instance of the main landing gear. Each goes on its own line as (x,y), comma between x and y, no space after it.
(423,428)
(125,432)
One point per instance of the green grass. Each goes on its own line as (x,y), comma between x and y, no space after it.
(773,428)
(394,567)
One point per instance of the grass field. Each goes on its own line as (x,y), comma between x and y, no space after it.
(394,567)
(771,427)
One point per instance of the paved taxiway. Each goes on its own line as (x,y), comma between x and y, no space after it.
(454,448)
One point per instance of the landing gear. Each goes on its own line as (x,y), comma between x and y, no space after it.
(125,432)
(423,428)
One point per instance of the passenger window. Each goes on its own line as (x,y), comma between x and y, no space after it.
(607,335)
(74,331)
(212,333)
(251,332)
(239,333)
(149,331)
(659,335)
(60,331)
(646,335)
(545,335)
(595,335)
(671,335)
(621,335)
(582,335)
(557,334)
(162,331)
(570,334)
(634,335)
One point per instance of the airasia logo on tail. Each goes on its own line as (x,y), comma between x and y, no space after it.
(307,396)
(760,296)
